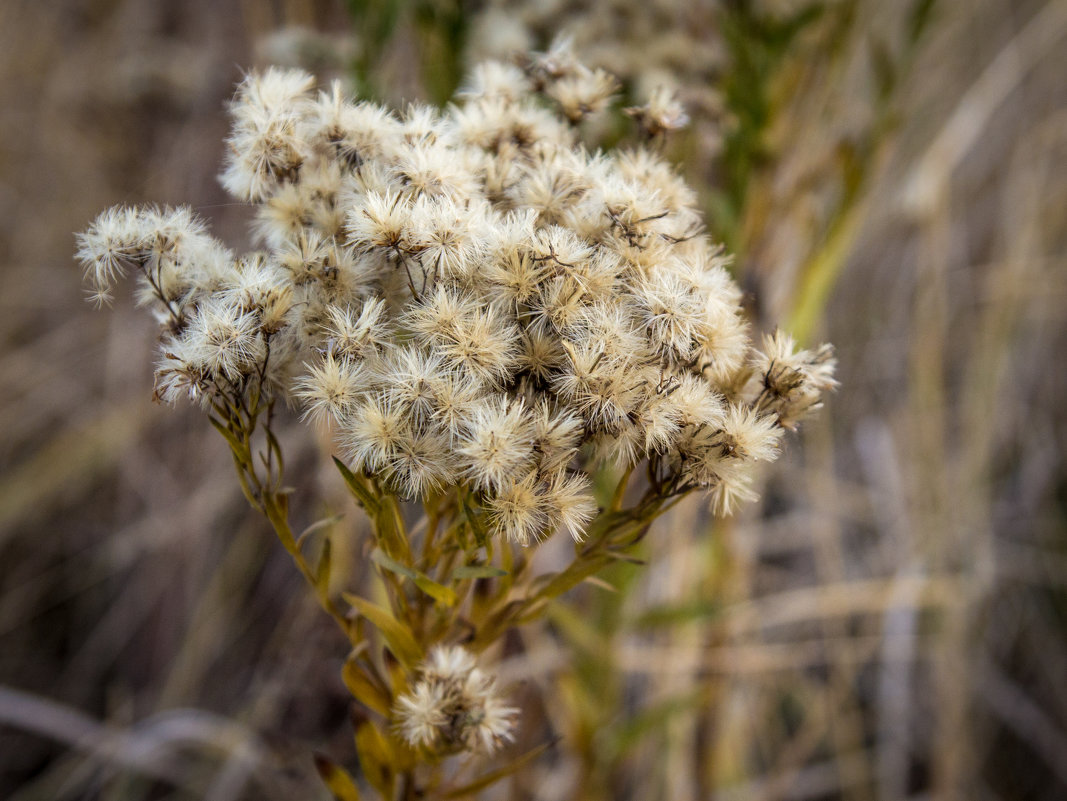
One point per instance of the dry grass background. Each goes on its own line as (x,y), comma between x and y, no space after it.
(890,622)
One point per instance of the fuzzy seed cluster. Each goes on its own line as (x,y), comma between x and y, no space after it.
(469,296)
(454,706)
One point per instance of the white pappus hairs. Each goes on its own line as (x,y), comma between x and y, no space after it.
(471,299)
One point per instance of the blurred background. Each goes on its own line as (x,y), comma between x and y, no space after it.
(889,622)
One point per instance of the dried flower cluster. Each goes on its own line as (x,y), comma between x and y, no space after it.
(473,299)
(453,706)
(487,314)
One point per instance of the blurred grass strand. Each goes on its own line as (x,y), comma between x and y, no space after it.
(968,499)
(145,747)
(928,180)
(67,464)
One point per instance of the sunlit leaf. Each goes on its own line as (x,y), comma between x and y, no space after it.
(363,689)
(374,759)
(397,636)
(445,596)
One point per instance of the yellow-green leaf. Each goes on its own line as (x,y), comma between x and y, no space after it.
(337,779)
(477,572)
(559,583)
(382,756)
(363,495)
(399,638)
(475,523)
(230,437)
(363,689)
(624,557)
(374,759)
(389,526)
(380,557)
(322,570)
(445,596)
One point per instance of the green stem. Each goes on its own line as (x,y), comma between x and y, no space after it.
(274,509)
(620,490)
(612,531)
(265,497)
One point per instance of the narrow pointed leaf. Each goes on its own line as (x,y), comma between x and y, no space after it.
(477,572)
(571,577)
(596,581)
(374,759)
(315,527)
(337,779)
(235,444)
(475,523)
(363,495)
(363,689)
(624,557)
(397,636)
(380,557)
(445,596)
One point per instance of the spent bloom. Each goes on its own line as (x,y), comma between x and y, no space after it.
(472,299)
(453,706)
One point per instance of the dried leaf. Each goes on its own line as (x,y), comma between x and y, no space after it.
(317,526)
(599,582)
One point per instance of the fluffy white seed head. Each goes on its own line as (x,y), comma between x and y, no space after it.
(475,301)
(453,706)
(331,389)
(498,444)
